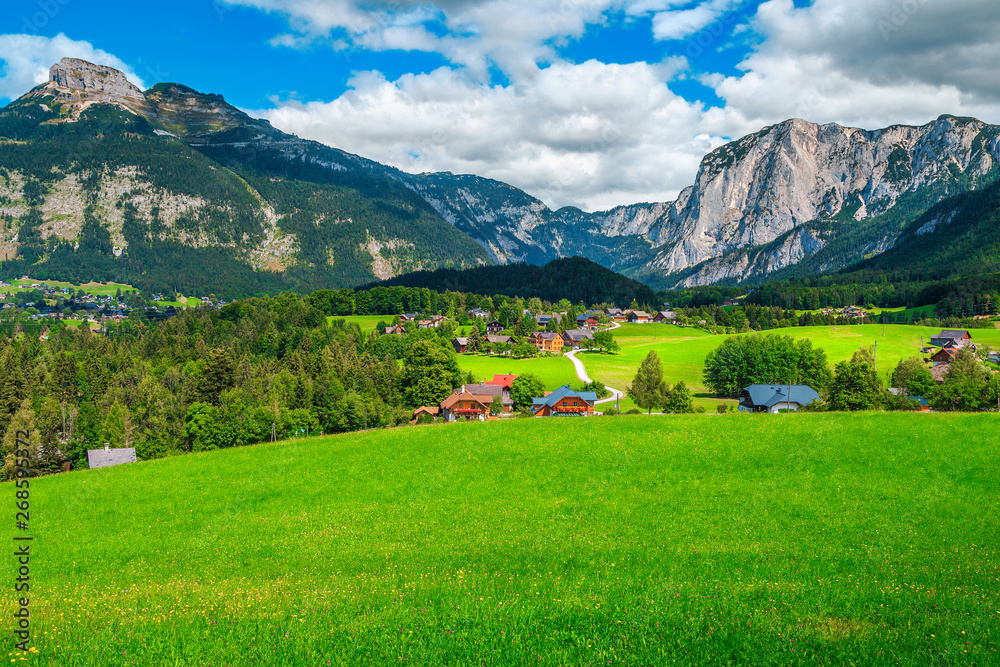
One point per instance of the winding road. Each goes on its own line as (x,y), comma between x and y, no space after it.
(581,373)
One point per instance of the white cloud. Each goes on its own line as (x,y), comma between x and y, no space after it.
(27,59)
(681,23)
(869,63)
(592,135)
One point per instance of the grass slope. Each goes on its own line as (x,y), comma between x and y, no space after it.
(553,371)
(818,539)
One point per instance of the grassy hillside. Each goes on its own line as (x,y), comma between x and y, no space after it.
(810,539)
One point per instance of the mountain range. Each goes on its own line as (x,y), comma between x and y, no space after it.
(171,188)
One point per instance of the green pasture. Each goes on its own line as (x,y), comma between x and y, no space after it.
(682,350)
(554,371)
(365,322)
(809,539)
(99,289)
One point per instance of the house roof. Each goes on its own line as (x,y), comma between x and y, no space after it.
(546,335)
(947,352)
(462,341)
(577,334)
(613,311)
(502,380)
(496,322)
(102,458)
(668,314)
(953,333)
(640,313)
(497,338)
(770,394)
(427,410)
(564,392)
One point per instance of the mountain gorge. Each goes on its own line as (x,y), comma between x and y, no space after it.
(171,188)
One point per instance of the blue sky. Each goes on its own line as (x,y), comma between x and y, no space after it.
(584,102)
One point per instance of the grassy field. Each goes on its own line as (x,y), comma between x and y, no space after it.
(366,322)
(823,539)
(100,289)
(553,371)
(683,350)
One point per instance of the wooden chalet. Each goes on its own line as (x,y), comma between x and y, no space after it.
(588,320)
(944,356)
(496,339)
(547,341)
(464,406)
(637,317)
(396,329)
(431,410)
(564,402)
(460,344)
(616,314)
(668,316)
(494,327)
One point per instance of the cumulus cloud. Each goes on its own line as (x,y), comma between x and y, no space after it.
(27,58)
(593,135)
(869,63)
(681,23)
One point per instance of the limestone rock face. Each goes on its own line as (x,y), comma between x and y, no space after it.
(97,83)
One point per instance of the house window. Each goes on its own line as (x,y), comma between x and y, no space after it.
(575,404)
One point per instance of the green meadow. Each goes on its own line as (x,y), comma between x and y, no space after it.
(683,350)
(811,539)
(554,371)
(365,322)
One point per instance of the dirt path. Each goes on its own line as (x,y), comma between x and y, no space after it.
(581,372)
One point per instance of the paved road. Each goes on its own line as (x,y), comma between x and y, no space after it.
(581,373)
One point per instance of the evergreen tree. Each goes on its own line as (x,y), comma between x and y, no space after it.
(14,450)
(649,389)
(476,341)
(217,375)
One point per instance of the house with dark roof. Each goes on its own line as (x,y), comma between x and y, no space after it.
(480,313)
(107,457)
(543,320)
(564,402)
(668,316)
(396,329)
(573,337)
(494,327)
(950,336)
(461,344)
(775,397)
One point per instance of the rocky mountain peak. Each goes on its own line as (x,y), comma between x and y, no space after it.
(97,83)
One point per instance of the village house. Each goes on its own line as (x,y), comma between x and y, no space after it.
(494,327)
(574,337)
(396,329)
(546,341)
(408,317)
(951,338)
(505,382)
(486,391)
(543,320)
(564,402)
(107,457)
(637,317)
(588,320)
(480,313)
(616,314)
(667,316)
(731,302)
(497,339)
(465,406)
(460,344)
(775,397)
(944,356)
(432,410)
